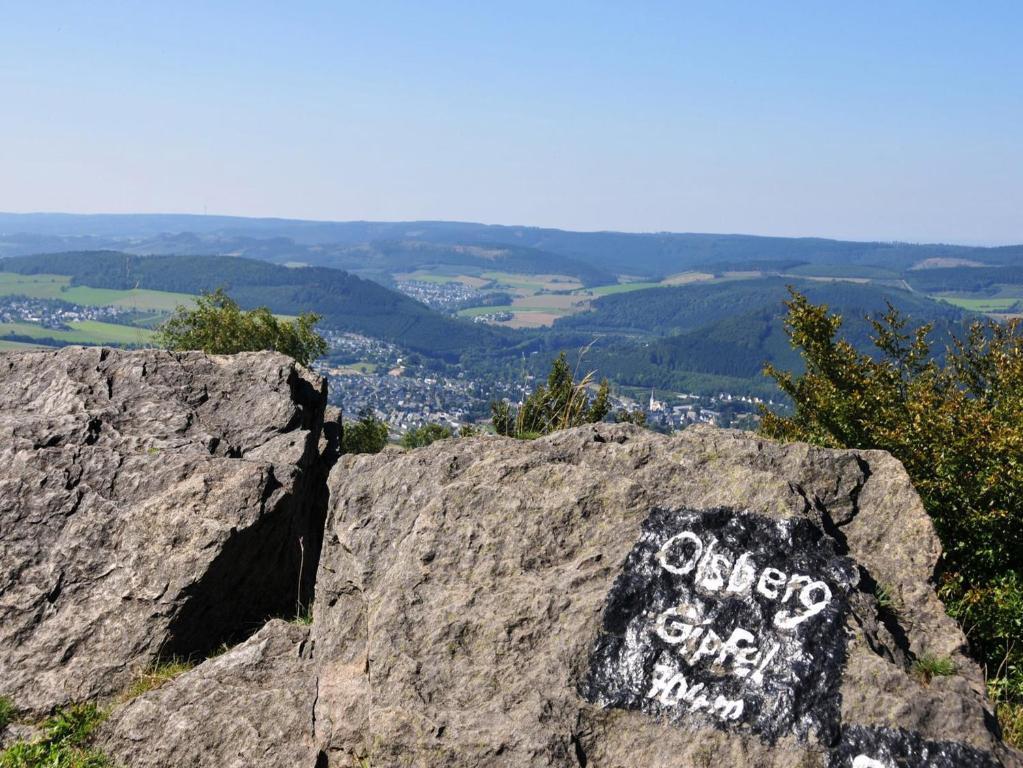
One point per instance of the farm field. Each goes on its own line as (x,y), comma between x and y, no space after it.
(84,332)
(986,305)
(59,287)
(18,346)
(542,299)
(533,283)
(684,278)
(360,368)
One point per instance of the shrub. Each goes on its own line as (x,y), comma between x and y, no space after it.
(957,427)
(562,403)
(367,435)
(218,326)
(64,744)
(636,417)
(424,435)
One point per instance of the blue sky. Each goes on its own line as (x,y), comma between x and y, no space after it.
(887,120)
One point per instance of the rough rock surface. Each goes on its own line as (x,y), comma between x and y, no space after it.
(605,597)
(251,706)
(580,600)
(151,504)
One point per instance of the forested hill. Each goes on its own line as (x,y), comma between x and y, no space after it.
(344,301)
(667,311)
(697,337)
(407,245)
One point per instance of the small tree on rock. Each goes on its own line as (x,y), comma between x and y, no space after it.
(367,435)
(419,437)
(561,403)
(217,325)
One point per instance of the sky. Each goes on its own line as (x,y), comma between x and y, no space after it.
(868,120)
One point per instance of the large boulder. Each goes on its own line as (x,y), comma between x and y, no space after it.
(611,597)
(152,505)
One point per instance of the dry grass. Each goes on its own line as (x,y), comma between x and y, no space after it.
(1010,717)
(532,319)
(684,278)
(156,675)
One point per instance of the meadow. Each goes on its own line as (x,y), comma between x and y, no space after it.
(83,332)
(59,287)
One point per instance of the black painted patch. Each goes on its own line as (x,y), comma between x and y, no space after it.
(862,747)
(695,631)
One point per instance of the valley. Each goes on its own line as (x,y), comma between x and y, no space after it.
(429,321)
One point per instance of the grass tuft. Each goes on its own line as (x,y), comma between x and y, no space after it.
(65,743)
(884,595)
(1010,717)
(928,667)
(156,675)
(8,712)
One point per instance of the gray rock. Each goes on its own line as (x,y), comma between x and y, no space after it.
(604,597)
(151,505)
(490,602)
(250,707)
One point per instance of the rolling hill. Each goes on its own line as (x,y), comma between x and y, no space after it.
(344,301)
(704,337)
(329,243)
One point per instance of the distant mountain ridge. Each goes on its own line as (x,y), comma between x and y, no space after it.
(325,243)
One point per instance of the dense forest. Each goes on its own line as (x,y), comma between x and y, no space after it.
(964,279)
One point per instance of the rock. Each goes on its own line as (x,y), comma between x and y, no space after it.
(151,505)
(250,707)
(611,597)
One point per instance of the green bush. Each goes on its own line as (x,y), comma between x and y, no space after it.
(957,427)
(424,435)
(562,403)
(64,744)
(367,435)
(218,326)
(636,417)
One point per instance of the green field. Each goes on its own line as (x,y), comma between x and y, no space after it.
(361,367)
(981,305)
(606,290)
(84,332)
(533,283)
(477,311)
(59,287)
(18,346)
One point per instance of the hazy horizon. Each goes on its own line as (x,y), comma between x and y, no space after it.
(212,214)
(863,122)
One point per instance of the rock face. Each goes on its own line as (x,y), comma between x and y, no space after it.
(611,597)
(251,706)
(605,597)
(151,505)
